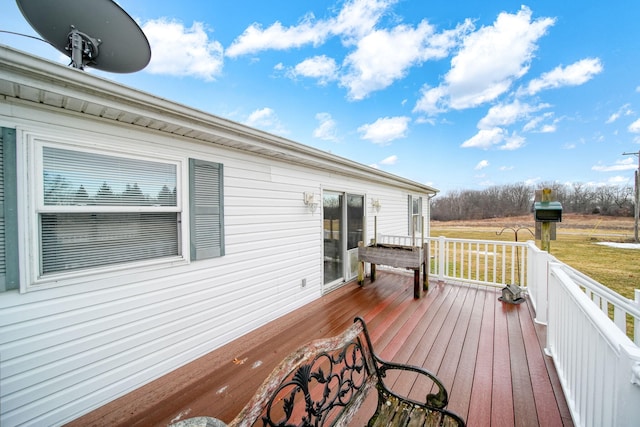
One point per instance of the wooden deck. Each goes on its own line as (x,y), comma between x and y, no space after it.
(487,353)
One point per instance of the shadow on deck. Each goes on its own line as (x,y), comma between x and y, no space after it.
(487,353)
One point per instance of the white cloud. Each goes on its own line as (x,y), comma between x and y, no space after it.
(431,101)
(625,110)
(506,168)
(327,128)
(266,119)
(356,19)
(181,51)
(488,62)
(513,142)
(548,128)
(391,160)
(620,165)
(319,67)
(255,39)
(535,124)
(384,56)
(618,180)
(379,56)
(385,130)
(635,127)
(494,137)
(485,138)
(507,114)
(572,75)
(482,164)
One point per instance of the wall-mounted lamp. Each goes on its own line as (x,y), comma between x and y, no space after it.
(375,204)
(310,201)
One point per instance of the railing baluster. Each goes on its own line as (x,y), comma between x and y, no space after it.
(636,320)
(620,318)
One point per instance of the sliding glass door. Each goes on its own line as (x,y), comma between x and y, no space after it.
(333,219)
(343,225)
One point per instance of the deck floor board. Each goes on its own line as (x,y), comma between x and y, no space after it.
(488,355)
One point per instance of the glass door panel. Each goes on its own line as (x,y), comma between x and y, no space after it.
(332,215)
(355,233)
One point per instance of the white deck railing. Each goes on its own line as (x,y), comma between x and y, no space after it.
(593,333)
(488,262)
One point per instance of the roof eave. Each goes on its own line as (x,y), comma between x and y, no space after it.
(69,88)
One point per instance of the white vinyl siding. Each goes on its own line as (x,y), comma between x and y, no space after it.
(77,342)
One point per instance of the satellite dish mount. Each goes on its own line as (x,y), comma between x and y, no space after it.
(95,33)
(83,48)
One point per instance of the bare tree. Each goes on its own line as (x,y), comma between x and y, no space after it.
(516,199)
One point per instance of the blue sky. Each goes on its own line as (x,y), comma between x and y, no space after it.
(457,95)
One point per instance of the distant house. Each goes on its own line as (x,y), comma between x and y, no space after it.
(139,234)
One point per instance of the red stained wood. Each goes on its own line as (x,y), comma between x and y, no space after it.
(548,412)
(524,407)
(481,391)
(502,399)
(488,355)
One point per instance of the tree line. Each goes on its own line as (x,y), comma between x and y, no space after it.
(59,191)
(517,199)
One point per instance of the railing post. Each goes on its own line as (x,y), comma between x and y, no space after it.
(539,282)
(636,322)
(628,386)
(441,247)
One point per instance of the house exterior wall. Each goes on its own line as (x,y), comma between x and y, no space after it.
(71,345)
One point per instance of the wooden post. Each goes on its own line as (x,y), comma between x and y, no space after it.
(636,322)
(545,227)
(426,266)
(636,196)
(414,224)
(375,229)
(636,213)
(360,268)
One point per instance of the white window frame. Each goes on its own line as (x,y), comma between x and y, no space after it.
(31,205)
(415,219)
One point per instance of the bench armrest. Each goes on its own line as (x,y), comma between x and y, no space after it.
(439,400)
(436,400)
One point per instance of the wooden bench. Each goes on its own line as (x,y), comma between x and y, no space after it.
(325,383)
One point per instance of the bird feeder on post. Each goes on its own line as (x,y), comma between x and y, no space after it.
(547,213)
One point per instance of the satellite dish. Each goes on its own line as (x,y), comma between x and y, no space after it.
(95,33)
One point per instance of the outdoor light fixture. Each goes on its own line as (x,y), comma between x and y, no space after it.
(375,204)
(310,201)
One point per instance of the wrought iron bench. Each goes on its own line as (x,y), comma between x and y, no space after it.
(325,383)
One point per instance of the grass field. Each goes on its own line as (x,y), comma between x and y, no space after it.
(576,244)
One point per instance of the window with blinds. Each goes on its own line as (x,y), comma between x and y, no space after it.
(99,210)
(96,209)
(415,215)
